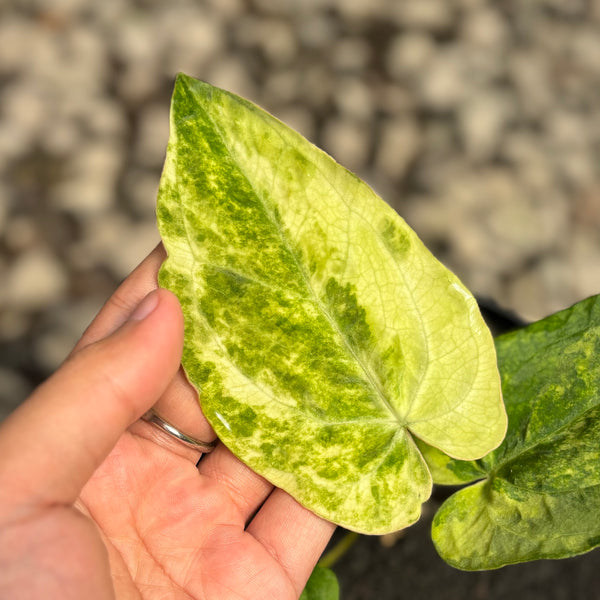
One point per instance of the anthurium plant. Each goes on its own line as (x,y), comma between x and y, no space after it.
(340,360)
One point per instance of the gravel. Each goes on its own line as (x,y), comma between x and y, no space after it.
(478,121)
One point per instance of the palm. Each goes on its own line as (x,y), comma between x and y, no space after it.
(172,532)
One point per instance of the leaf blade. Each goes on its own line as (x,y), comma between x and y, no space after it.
(311,318)
(543,483)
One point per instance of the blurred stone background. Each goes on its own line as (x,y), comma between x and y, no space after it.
(479,121)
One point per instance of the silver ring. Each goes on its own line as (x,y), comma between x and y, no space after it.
(191,442)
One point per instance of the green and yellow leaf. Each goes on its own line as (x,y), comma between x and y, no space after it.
(323,336)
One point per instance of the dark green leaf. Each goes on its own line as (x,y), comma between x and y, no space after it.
(322,585)
(541,498)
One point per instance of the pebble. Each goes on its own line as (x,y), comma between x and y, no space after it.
(351,55)
(353,99)
(409,54)
(20,233)
(3,210)
(485,28)
(281,87)
(430,15)
(90,189)
(482,119)
(35,280)
(444,85)
(152,136)
(347,141)
(400,144)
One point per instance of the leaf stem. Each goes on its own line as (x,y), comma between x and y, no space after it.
(331,557)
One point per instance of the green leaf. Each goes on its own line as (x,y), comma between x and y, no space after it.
(541,498)
(321,332)
(448,471)
(322,585)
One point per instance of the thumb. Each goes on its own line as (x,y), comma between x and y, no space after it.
(52,444)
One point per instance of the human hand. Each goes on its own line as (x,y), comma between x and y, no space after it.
(96,504)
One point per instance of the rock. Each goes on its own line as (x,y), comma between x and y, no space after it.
(431,15)
(583,265)
(35,280)
(14,29)
(140,189)
(348,142)
(21,234)
(585,49)
(93,171)
(526,294)
(353,99)
(277,41)
(351,55)
(484,28)
(400,144)
(23,105)
(316,86)
(481,120)
(529,71)
(105,119)
(152,136)
(3,210)
(281,87)
(315,30)
(137,242)
(227,9)
(393,99)
(409,54)
(361,10)
(61,136)
(522,149)
(445,84)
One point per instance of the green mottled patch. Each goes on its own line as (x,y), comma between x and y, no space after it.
(541,495)
(322,334)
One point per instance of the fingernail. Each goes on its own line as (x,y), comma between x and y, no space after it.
(145,307)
